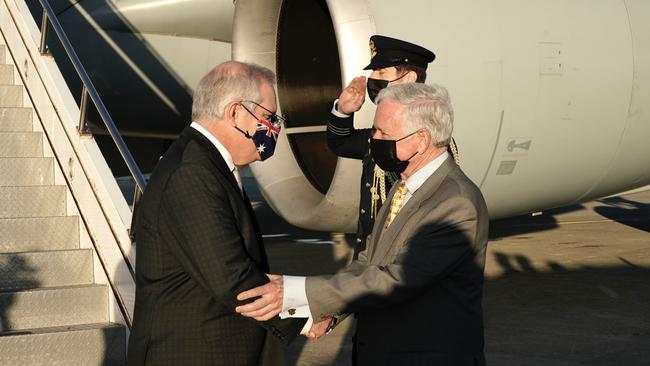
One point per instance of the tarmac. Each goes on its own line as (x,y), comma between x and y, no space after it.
(568,287)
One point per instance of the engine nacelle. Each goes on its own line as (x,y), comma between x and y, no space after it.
(550,99)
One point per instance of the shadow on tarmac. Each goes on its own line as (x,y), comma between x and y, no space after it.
(590,315)
(619,209)
(627,212)
(528,224)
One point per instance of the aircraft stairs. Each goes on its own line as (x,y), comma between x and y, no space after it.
(66,264)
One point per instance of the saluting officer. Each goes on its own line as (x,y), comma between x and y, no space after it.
(393,61)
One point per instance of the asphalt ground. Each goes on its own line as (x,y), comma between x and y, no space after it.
(568,287)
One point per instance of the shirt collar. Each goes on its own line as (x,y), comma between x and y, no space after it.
(222,149)
(418,178)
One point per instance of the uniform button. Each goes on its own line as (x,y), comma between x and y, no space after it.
(363,211)
(358,240)
(367,185)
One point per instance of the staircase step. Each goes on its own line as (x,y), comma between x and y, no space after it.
(26,171)
(90,344)
(58,268)
(16,119)
(39,234)
(21,144)
(36,201)
(11,95)
(6,74)
(54,307)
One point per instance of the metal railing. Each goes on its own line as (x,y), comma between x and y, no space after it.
(88,90)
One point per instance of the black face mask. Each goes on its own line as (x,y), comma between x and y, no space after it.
(374,86)
(384,153)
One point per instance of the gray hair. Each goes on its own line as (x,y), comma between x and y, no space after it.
(226,83)
(427,106)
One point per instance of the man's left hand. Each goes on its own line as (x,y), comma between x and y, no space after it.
(270,302)
(319,329)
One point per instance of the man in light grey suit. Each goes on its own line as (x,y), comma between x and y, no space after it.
(417,288)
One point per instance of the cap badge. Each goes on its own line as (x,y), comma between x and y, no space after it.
(373,49)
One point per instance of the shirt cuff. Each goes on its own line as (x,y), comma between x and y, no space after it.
(294,298)
(307,327)
(336,112)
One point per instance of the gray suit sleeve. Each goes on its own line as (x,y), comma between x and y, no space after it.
(439,242)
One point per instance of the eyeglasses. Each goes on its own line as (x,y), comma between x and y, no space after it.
(271,117)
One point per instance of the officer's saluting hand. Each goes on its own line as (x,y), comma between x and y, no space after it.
(353,96)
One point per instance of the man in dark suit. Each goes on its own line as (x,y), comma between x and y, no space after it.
(417,288)
(197,240)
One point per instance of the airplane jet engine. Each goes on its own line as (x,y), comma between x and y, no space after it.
(551,98)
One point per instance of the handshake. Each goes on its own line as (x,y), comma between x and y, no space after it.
(320,328)
(270,303)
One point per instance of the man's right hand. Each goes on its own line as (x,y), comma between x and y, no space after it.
(353,96)
(270,299)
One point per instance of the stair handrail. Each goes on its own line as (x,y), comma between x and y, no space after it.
(89,90)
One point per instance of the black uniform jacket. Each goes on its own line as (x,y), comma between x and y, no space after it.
(346,141)
(198,245)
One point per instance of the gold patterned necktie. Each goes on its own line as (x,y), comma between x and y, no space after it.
(396,203)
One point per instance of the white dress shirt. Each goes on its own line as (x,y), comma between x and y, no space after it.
(415,181)
(294,301)
(222,150)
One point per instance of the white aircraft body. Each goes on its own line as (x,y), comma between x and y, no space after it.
(551,98)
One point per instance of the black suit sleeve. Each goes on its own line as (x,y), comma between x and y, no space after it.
(197,211)
(344,140)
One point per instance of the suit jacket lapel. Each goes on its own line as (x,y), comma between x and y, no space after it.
(220,163)
(256,227)
(386,241)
